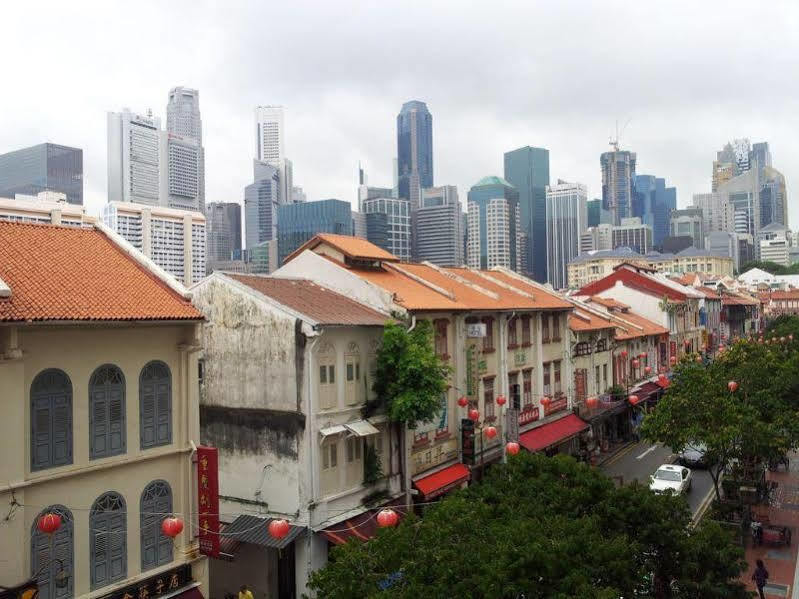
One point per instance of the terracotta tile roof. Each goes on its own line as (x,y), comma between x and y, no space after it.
(69,273)
(738,300)
(608,302)
(318,304)
(639,327)
(581,320)
(641,281)
(782,295)
(708,292)
(353,247)
(544,299)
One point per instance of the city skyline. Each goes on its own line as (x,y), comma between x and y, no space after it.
(675,135)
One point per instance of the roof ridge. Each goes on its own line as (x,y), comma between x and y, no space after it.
(503,284)
(422,281)
(471,285)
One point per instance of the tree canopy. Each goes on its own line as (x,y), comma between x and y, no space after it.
(541,527)
(771,267)
(410,377)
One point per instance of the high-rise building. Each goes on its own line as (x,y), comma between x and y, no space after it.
(743,194)
(366,192)
(223,230)
(172,239)
(566,219)
(359,226)
(717,213)
(270,146)
(633,234)
(597,215)
(494,225)
(527,169)
(653,204)
(414,151)
(688,222)
(397,222)
(597,238)
(261,199)
(43,167)
(297,223)
(773,197)
(134,150)
(724,243)
(618,183)
(185,153)
(437,233)
(298,195)
(46,207)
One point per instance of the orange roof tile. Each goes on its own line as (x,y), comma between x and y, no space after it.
(608,302)
(356,248)
(641,327)
(67,273)
(581,320)
(708,292)
(783,295)
(738,300)
(548,300)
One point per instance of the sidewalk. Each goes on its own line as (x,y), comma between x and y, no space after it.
(780,561)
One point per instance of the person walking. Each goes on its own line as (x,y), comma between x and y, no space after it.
(245,593)
(760,576)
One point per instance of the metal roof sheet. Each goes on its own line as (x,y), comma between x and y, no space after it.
(255,531)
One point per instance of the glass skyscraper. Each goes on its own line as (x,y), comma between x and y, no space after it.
(527,170)
(414,151)
(44,167)
(618,175)
(261,200)
(494,237)
(653,204)
(297,223)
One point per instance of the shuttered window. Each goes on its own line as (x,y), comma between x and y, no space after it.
(156,504)
(155,405)
(108,547)
(51,420)
(106,412)
(53,559)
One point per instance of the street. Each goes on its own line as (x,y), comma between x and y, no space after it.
(639,462)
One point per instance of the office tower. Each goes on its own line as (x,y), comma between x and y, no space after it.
(261,199)
(223,230)
(772,244)
(653,204)
(717,213)
(43,167)
(527,169)
(270,146)
(359,227)
(618,181)
(414,151)
(773,197)
(597,215)
(633,234)
(47,207)
(743,194)
(397,221)
(377,229)
(566,218)
(297,223)
(688,222)
(298,195)
(185,152)
(438,237)
(366,192)
(173,239)
(760,155)
(134,149)
(597,238)
(494,225)
(724,243)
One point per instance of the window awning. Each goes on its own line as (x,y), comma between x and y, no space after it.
(332,430)
(361,428)
(255,531)
(553,433)
(442,481)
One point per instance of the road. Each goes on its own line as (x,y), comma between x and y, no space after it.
(639,462)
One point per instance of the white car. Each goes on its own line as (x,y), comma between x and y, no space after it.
(671,477)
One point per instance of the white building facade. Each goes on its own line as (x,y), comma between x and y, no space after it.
(186,163)
(566,219)
(134,166)
(398,214)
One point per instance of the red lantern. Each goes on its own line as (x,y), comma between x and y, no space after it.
(648,369)
(634,399)
(545,401)
(279,528)
(474,415)
(662,378)
(49,523)
(463,402)
(732,386)
(592,402)
(673,360)
(491,432)
(501,400)
(172,526)
(512,448)
(636,363)
(698,359)
(387,518)
(790,337)
(624,353)
(642,355)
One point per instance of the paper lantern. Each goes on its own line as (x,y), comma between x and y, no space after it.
(172,526)
(642,355)
(546,401)
(673,360)
(512,448)
(592,402)
(491,432)
(474,415)
(698,359)
(387,518)
(501,400)
(463,402)
(624,353)
(278,528)
(634,399)
(648,369)
(732,386)
(49,523)
(636,363)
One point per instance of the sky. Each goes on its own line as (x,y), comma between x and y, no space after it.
(680,78)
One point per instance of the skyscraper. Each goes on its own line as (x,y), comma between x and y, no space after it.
(223,230)
(397,222)
(437,226)
(185,154)
(134,168)
(494,237)
(527,170)
(414,151)
(43,167)
(773,197)
(297,223)
(633,234)
(597,215)
(261,199)
(653,204)
(270,146)
(618,182)
(566,219)
(689,222)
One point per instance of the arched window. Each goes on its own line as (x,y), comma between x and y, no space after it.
(155,405)
(106,412)
(51,420)
(155,505)
(52,560)
(108,547)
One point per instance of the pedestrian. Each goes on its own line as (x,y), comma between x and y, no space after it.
(245,593)
(760,577)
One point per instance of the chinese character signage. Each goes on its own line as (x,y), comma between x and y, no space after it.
(472,379)
(512,424)
(164,584)
(467,441)
(528,415)
(208,499)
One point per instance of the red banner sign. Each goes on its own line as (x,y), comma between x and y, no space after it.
(208,499)
(556,406)
(529,414)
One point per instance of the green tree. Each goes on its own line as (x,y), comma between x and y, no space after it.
(782,326)
(542,527)
(410,377)
(771,267)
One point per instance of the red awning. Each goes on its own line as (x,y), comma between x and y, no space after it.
(553,433)
(193,593)
(362,527)
(442,481)
(647,390)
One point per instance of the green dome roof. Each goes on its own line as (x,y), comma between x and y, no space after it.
(492,180)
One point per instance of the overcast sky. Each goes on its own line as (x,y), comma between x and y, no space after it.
(688,76)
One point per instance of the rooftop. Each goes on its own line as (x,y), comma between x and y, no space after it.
(355,248)
(56,273)
(584,320)
(492,180)
(622,253)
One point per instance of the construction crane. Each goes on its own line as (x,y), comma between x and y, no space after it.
(615,142)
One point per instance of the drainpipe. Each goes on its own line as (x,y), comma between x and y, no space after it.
(311,448)
(506,388)
(405,450)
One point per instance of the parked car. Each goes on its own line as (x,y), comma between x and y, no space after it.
(670,477)
(694,455)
